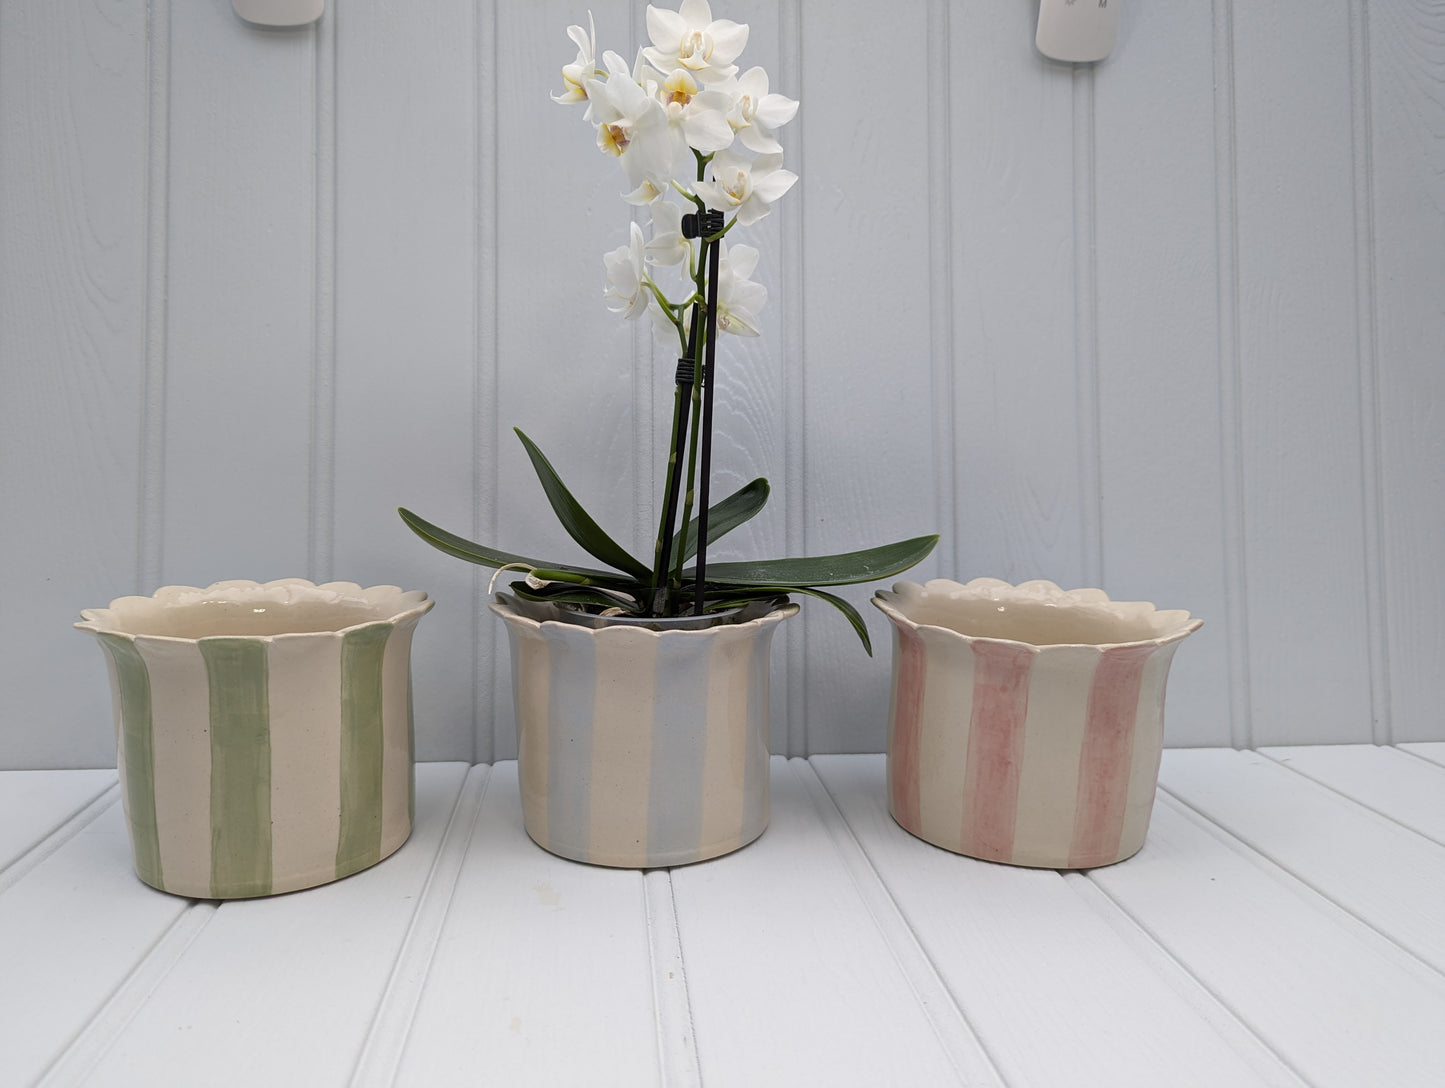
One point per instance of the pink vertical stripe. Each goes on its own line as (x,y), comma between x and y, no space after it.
(904,740)
(1107,756)
(995,748)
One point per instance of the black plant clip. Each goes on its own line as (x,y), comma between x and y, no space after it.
(686,372)
(702,224)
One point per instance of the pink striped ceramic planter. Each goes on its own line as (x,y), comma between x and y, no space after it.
(1027,722)
(641,748)
(263,732)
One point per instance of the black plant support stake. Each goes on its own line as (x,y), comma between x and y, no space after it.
(710,223)
(685,378)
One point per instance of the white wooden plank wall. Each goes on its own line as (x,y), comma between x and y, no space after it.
(1172,325)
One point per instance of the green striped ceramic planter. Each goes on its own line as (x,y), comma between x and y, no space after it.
(641,747)
(263,732)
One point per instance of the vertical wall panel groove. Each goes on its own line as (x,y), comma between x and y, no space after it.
(73,349)
(150,552)
(794,637)
(940,277)
(240,308)
(1086,331)
(322,476)
(870,442)
(565,364)
(1016,368)
(1406,66)
(1231,445)
(489,671)
(1300,373)
(651,379)
(1376,602)
(1155,286)
(407,329)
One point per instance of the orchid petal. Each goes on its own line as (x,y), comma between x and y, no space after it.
(728,40)
(665,28)
(754,138)
(695,12)
(708,131)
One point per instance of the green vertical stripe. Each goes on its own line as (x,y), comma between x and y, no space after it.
(137,746)
(410,749)
(240,767)
(359,843)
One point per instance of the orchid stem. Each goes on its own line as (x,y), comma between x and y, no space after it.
(708,381)
(687,503)
(667,529)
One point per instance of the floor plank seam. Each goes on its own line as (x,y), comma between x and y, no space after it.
(1211,1006)
(79,1057)
(1416,753)
(381,1053)
(1394,821)
(61,834)
(1286,877)
(966,1052)
(672,1003)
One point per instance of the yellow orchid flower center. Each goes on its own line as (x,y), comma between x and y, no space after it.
(680,88)
(613,139)
(695,49)
(738,186)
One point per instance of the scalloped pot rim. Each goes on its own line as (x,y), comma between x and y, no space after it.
(511,615)
(943,605)
(233,606)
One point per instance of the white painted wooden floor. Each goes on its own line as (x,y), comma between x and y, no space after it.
(1284,924)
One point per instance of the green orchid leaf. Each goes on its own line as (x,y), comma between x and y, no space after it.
(755,593)
(491,557)
(847,568)
(578,523)
(724,516)
(573,595)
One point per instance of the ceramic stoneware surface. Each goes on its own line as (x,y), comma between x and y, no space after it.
(263,732)
(642,748)
(1027,722)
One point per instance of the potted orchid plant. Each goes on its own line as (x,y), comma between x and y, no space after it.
(696,139)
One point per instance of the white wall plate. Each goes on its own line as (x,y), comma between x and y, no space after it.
(1077,31)
(279,12)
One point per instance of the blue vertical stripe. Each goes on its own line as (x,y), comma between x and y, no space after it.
(755,758)
(679,744)
(571,699)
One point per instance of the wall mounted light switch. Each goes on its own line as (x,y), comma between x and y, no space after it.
(1077,31)
(279,12)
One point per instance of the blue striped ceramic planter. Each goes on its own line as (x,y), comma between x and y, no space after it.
(640,748)
(263,732)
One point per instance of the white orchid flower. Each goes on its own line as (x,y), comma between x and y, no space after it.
(627,290)
(646,193)
(576,74)
(690,38)
(697,116)
(745,188)
(755,115)
(668,246)
(664,326)
(738,298)
(632,125)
